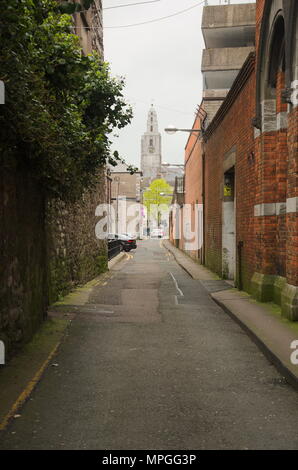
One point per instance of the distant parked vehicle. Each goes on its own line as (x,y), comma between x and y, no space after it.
(157,233)
(127,242)
(131,236)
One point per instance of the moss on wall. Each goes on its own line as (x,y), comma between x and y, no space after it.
(213,261)
(75,254)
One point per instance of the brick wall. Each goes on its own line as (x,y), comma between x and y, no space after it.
(193,180)
(259,16)
(266,174)
(292,191)
(235,131)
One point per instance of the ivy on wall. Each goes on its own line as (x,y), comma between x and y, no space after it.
(60,106)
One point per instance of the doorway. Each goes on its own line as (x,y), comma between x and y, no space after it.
(228,226)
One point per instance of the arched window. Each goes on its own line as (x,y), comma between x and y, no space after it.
(276,53)
(271,59)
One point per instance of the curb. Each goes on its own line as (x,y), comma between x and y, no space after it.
(23,397)
(268,353)
(32,383)
(177,259)
(205,274)
(116,259)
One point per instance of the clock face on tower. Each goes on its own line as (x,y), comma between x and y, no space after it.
(151,149)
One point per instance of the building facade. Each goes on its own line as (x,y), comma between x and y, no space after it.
(229,36)
(125,197)
(171,171)
(88,27)
(249,159)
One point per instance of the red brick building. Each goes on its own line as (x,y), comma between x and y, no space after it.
(230,181)
(246,167)
(193,195)
(251,153)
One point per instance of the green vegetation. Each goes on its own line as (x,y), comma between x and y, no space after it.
(60,106)
(159,192)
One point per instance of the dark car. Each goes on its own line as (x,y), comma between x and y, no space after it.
(128,242)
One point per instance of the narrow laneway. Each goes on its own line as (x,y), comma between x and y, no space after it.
(151,362)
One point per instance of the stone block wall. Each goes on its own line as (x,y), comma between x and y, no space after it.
(46,250)
(75,254)
(23,269)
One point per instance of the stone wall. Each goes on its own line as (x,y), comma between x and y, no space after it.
(46,250)
(23,268)
(75,255)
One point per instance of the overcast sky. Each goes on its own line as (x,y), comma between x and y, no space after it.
(161,64)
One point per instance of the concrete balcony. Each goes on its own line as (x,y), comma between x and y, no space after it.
(229,25)
(220,66)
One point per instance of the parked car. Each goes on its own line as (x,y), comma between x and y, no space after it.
(157,233)
(127,242)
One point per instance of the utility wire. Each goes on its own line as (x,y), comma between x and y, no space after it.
(156,19)
(118,6)
(131,4)
(145,22)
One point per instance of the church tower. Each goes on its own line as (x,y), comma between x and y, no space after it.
(151,150)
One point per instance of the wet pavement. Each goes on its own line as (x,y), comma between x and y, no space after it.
(152,362)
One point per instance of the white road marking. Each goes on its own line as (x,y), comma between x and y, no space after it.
(176,285)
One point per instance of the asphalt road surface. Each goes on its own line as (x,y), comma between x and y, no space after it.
(153,363)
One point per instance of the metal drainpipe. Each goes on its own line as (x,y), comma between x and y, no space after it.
(203,201)
(239,283)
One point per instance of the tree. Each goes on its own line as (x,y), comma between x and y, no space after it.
(60,106)
(157,198)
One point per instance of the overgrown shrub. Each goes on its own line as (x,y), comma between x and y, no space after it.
(61,106)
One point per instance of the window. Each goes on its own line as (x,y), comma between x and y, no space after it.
(277,52)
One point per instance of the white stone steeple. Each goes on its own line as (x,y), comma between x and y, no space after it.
(151,149)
